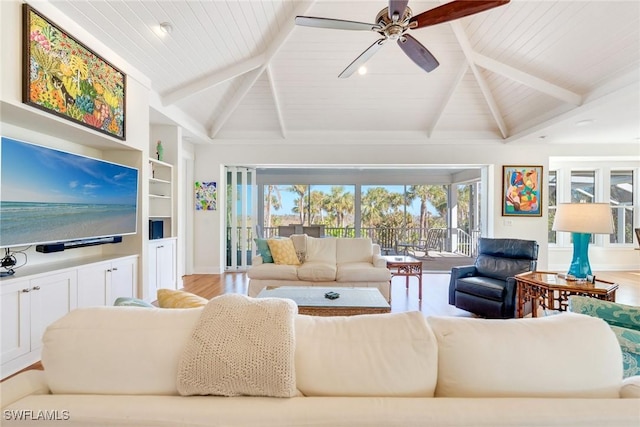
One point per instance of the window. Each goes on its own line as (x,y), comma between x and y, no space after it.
(621,199)
(583,186)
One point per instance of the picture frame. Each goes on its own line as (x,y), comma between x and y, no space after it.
(206,195)
(522,190)
(64,77)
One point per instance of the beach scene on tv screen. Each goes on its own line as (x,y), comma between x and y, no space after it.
(47,195)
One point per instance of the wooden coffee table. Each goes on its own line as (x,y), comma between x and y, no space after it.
(552,292)
(405,266)
(311,300)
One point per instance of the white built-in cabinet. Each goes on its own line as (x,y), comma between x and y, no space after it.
(104,282)
(161,194)
(38,296)
(162,266)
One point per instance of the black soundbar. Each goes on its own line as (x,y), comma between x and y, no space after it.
(61,246)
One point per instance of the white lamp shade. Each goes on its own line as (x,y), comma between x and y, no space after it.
(595,218)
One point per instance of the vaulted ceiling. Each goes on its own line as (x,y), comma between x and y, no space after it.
(565,71)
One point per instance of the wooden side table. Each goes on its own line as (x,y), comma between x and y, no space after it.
(552,292)
(406,266)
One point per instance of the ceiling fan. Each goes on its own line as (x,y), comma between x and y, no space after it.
(393,22)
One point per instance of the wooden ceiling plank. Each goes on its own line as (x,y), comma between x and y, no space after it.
(461,73)
(527,79)
(276,102)
(250,78)
(463,40)
(213,79)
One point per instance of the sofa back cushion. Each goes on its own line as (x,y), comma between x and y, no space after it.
(568,355)
(359,249)
(321,249)
(117,350)
(370,355)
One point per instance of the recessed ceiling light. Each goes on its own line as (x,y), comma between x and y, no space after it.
(362,70)
(584,122)
(166,27)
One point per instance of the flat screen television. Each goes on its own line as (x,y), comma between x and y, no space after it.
(51,196)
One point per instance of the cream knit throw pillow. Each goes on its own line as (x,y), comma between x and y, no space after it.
(241,346)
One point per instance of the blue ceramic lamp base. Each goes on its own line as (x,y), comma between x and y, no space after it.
(580,267)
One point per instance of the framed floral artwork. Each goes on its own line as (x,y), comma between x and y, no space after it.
(64,77)
(206,196)
(521,190)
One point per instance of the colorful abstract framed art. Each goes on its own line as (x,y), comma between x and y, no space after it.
(521,190)
(64,77)
(206,196)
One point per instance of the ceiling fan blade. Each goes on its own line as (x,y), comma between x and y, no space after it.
(397,7)
(360,60)
(336,24)
(418,53)
(453,10)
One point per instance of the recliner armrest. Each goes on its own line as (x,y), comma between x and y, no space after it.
(463,271)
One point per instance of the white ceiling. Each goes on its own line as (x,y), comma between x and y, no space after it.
(241,69)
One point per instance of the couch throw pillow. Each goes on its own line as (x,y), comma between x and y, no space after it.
(169,298)
(283,251)
(241,346)
(264,251)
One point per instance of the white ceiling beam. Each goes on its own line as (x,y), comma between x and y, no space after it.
(452,90)
(276,101)
(527,79)
(213,80)
(251,78)
(463,40)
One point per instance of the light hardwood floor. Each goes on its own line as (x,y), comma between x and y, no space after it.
(434,288)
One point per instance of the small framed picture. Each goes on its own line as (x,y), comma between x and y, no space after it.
(521,190)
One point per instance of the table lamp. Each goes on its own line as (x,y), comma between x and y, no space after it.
(582,220)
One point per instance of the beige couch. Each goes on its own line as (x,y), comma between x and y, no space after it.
(328,262)
(117,366)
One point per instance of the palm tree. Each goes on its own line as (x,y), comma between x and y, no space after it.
(421,192)
(301,191)
(272,199)
(339,204)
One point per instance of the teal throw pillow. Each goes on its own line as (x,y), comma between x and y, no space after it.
(264,251)
(131,302)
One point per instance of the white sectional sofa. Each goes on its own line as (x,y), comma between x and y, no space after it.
(327,262)
(117,366)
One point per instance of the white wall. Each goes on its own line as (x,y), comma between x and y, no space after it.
(210,160)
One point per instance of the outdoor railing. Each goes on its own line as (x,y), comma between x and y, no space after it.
(387,238)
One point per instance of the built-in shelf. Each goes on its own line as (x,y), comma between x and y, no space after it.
(161,194)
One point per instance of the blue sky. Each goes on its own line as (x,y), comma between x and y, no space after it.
(31,173)
(288,197)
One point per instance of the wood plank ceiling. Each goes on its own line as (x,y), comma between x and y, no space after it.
(242,69)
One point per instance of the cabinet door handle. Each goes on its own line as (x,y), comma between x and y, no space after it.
(160,247)
(26,290)
(36,288)
(108,270)
(114,269)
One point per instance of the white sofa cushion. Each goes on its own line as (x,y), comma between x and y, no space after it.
(359,249)
(361,272)
(117,350)
(568,355)
(271,271)
(316,271)
(368,355)
(321,249)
